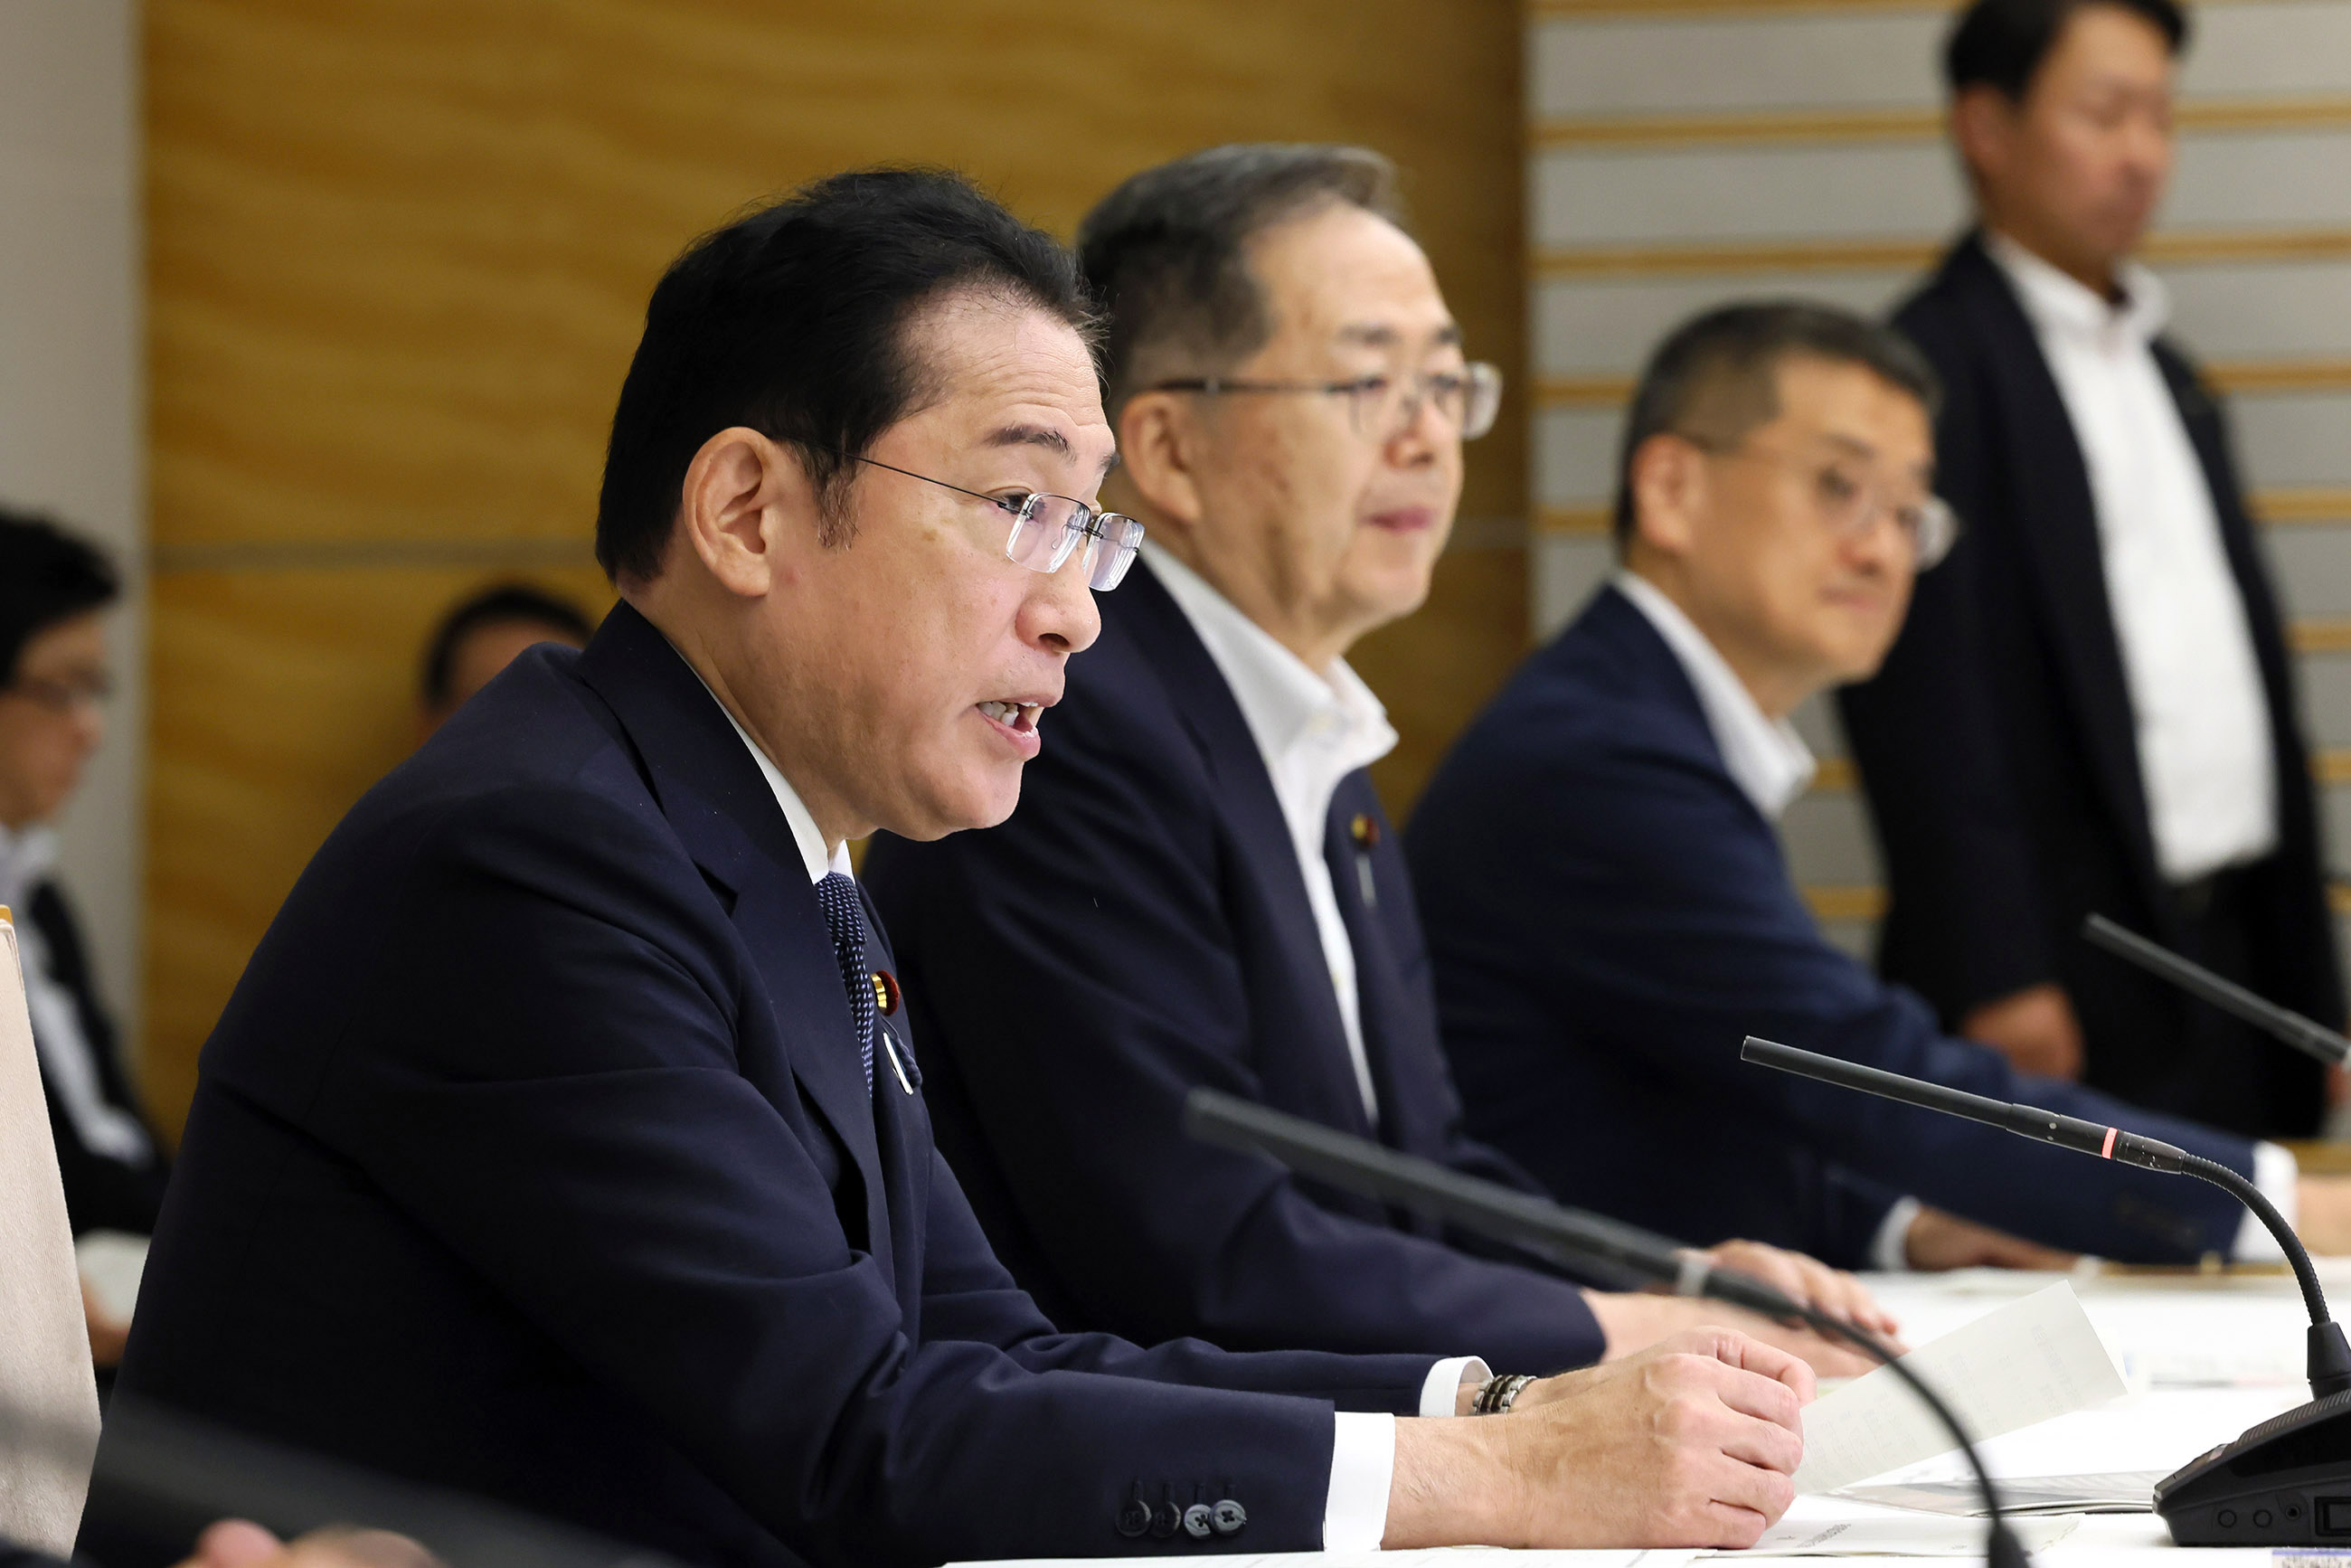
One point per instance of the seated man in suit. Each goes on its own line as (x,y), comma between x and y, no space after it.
(556,1144)
(1204,809)
(1608,910)
(54,592)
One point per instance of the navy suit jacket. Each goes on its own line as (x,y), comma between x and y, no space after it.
(1997,748)
(1137,928)
(1610,915)
(532,1157)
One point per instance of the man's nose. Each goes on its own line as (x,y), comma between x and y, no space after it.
(1061,614)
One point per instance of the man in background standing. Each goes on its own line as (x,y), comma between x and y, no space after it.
(2091,708)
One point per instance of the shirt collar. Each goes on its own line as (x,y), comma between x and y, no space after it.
(805,834)
(2056,301)
(1287,705)
(28,855)
(1765,756)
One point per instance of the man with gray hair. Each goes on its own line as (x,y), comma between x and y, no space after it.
(1292,396)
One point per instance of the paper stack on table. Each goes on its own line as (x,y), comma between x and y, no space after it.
(2123,1491)
(2033,1359)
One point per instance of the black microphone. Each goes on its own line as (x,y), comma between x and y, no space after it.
(2275,1484)
(2306,1035)
(1564,1235)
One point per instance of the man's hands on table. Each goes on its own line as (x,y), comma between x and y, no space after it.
(1632,1322)
(1692,1442)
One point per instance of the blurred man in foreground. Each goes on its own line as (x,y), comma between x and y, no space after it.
(1607,905)
(2092,708)
(480,636)
(556,1144)
(55,677)
(1291,397)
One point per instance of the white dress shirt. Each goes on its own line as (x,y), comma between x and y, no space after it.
(1362,1446)
(2200,712)
(68,1062)
(1313,729)
(1771,766)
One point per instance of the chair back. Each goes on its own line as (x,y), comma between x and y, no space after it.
(48,1395)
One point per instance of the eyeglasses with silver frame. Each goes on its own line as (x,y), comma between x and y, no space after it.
(1048,529)
(1382,407)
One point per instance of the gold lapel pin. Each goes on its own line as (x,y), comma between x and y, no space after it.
(1364,829)
(886,992)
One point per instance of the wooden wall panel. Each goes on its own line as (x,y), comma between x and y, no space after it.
(399,251)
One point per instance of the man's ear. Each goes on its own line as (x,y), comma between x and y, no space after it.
(1158,455)
(746,510)
(1669,485)
(1983,123)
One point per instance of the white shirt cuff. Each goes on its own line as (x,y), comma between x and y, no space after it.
(1363,1459)
(2279,1176)
(1442,1389)
(1889,1249)
(1362,1469)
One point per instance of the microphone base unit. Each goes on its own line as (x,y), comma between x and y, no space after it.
(2286,1482)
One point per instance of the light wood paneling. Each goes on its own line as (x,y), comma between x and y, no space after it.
(400,253)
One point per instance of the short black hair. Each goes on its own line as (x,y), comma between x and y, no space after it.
(507,604)
(46,576)
(1165,253)
(1721,371)
(2002,43)
(791,321)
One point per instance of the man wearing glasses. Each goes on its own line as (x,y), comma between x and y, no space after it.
(1607,905)
(54,591)
(1200,888)
(565,1142)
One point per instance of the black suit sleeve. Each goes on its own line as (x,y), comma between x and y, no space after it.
(1079,963)
(562,1108)
(1966,902)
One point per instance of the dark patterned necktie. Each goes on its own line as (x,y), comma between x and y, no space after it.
(845,912)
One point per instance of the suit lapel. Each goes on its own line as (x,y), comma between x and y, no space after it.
(1246,801)
(718,803)
(2057,531)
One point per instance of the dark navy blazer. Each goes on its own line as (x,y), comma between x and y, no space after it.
(1610,915)
(532,1157)
(1140,927)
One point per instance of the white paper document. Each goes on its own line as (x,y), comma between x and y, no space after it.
(1919,1536)
(2032,1360)
(2123,1491)
(1428,1557)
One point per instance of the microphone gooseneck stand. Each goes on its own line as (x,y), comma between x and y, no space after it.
(1558,1234)
(2286,1481)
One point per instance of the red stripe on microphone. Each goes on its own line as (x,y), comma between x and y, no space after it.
(2107,1153)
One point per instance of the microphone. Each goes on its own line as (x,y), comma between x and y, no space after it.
(1563,1236)
(2304,1035)
(2286,1481)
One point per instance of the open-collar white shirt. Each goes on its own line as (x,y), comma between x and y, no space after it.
(2200,714)
(1313,729)
(1363,1447)
(69,1065)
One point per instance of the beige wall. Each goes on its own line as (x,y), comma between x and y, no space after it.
(70,385)
(399,252)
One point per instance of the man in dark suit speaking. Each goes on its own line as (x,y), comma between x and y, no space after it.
(563,1145)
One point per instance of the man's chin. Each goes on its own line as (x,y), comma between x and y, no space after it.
(983,802)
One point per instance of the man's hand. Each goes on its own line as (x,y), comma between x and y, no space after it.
(1808,1280)
(238,1544)
(108,1333)
(2323,1213)
(1936,1240)
(2035,1028)
(1695,1442)
(1633,1322)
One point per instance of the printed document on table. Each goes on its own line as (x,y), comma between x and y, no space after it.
(1918,1536)
(2032,1360)
(1431,1557)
